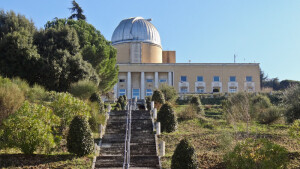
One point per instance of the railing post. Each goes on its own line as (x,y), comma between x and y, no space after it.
(158,128)
(162,148)
(152,105)
(154,114)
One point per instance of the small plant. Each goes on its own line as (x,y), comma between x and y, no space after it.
(167,118)
(148,102)
(259,105)
(184,156)
(294,130)
(259,153)
(158,99)
(122,101)
(195,101)
(79,140)
(83,89)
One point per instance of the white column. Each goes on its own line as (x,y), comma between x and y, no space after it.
(156,80)
(170,78)
(129,85)
(116,91)
(142,85)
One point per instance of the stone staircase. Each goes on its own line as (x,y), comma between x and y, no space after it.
(142,145)
(112,147)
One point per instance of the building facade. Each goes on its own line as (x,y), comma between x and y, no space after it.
(143,66)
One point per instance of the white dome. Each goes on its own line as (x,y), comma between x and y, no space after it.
(136,29)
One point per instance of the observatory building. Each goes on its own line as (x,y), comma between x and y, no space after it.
(143,66)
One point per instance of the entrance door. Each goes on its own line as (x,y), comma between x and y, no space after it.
(136,93)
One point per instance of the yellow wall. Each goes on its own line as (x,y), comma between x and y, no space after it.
(150,53)
(240,70)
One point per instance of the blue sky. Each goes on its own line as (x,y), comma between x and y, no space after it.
(203,31)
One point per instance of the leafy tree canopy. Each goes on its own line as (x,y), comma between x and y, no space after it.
(77,11)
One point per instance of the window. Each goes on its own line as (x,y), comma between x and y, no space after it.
(199,78)
(216,78)
(249,78)
(232,78)
(183,78)
(162,80)
(149,80)
(121,80)
(136,93)
(232,90)
(183,90)
(122,92)
(216,90)
(200,89)
(148,92)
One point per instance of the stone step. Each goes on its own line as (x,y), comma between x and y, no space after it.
(109,161)
(144,161)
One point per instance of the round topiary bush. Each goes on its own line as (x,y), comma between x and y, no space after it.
(79,140)
(195,101)
(158,98)
(184,156)
(167,118)
(259,153)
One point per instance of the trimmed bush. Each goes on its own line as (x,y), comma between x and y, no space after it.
(11,98)
(184,156)
(195,101)
(29,129)
(148,102)
(123,102)
(83,89)
(167,118)
(79,140)
(169,92)
(158,98)
(259,154)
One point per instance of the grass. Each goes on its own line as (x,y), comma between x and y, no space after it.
(212,143)
(12,158)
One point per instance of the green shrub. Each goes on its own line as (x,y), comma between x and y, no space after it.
(158,99)
(294,130)
(122,100)
(169,92)
(259,154)
(83,89)
(22,84)
(184,156)
(195,101)
(118,107)
(67,107)
(188,113)
(29,129)
(291,100)
(95,97)
(259,105)
(271,115)
(167,118)
(11,98)
(36,94)
(79,140)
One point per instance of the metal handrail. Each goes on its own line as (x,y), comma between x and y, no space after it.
(126,162)
(125,149)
